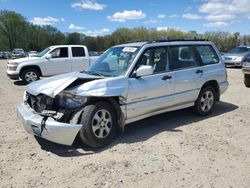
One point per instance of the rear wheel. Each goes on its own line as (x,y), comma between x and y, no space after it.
(247,80)
(30,75)
(99,124)
(206,101)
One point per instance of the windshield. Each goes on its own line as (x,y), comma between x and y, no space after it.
(239,50)
(42,53)
(114,62)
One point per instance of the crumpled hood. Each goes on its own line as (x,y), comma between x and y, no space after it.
(107,87)
(54,85)
(115,86)
(25,59)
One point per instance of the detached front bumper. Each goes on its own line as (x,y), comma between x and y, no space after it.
(47,128)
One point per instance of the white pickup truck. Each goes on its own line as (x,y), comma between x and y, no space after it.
(51,61)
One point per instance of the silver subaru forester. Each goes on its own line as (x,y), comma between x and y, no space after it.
(127,83)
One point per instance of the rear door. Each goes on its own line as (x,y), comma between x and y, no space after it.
(58,63)
(188,73)
(80,60)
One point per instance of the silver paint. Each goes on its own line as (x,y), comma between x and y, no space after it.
(141,97)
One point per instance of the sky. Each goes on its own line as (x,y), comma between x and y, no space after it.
(101,17)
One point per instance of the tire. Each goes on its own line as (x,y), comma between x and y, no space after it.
(205,101)
(99,124)
(247,80)
(30,75)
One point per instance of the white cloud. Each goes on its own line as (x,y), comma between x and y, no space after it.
(217,7)
(216,25)
(161,16)
(162,28)
(62,19)
(88,4)
(173,16)
(191,16)
(100,32)
(73,26)
(220,17)
(127,15)
(225,7)
(105,30)
(222,13)
(45,21)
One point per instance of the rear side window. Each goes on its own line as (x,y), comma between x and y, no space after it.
(78,52)
(182,57)
(207,54)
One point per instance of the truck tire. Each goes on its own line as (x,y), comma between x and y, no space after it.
(247,80)
(30,75)
(205,101)
(98,124)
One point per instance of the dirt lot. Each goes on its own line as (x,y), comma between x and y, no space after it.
(176,149)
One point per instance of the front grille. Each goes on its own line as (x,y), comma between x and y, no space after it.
(228,58)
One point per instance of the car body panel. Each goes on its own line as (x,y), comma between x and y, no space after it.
(149,93)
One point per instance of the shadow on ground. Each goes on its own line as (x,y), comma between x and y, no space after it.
(19,83)
(139,131)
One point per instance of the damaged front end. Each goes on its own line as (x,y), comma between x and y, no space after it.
(52,107)
(55,119)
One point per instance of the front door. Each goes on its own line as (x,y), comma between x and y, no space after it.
(150,94)
(59,62)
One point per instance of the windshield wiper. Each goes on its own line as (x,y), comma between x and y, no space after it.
(94,73)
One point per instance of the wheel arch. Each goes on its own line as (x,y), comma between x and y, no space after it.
(215,85)
(114,101)
(36,67)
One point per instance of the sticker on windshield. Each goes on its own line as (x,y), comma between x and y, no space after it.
(129,49)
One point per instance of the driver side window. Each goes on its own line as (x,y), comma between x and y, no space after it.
(59,53)
(155,57)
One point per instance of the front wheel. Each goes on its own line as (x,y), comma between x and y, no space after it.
(98,124)
(206,101)
(30,75)
(247,80)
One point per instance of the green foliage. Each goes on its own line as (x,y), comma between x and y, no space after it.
(16,32)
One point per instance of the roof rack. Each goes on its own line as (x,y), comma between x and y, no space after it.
(172,39)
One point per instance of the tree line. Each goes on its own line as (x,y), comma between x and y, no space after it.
(17,32)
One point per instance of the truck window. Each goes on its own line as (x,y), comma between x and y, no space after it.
(78,52)
(60,52)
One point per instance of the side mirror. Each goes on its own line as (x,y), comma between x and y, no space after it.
(144,70)
(48,56)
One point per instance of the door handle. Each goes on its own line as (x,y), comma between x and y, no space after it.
(166,77)
(199,71)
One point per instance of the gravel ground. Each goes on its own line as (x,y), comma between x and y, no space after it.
(176,149)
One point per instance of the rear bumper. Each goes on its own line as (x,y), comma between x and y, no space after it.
(223,86)
(35,124)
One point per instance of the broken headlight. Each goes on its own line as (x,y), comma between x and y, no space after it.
(70,102)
